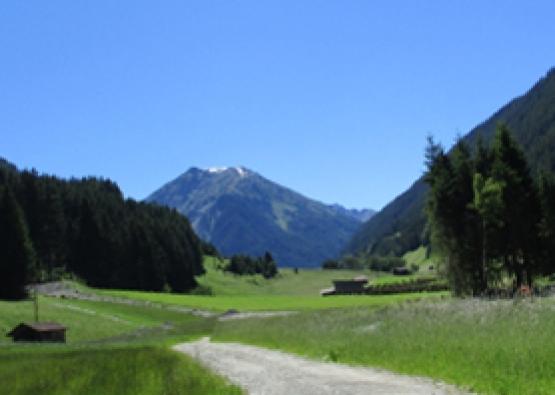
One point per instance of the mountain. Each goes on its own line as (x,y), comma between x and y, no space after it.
(399,226)
(361,215)
(239,211)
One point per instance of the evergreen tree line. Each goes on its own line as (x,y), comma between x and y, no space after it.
(372,262)
(244,264)
(489,218)
(50,227)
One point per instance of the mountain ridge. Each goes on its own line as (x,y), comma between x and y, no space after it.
(400,225)
(240,211)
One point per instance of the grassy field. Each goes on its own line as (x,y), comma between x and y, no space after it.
(419,258)
(307,282)
(94,321)
(490,347)
(289,291)
(117,371)
(272,302)
(112,349)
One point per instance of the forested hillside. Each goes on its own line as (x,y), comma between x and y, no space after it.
(400,226)
(490,220)
(51,227)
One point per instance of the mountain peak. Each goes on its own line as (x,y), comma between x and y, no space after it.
(242,171)
(240,211)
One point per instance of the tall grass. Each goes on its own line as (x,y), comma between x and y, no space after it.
(490,347)
(133,371)
(112,349)
(94,321)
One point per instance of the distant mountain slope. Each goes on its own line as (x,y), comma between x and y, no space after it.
(399,226)
(240,211)
(361,215)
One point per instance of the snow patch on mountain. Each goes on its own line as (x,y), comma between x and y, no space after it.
(216,169)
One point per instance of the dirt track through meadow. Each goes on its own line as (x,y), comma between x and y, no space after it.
(267,372)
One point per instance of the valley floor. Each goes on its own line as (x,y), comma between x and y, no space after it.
(490,347)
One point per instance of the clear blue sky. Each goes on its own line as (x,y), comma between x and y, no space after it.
(331,98)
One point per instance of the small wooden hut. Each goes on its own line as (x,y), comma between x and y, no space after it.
(39,332)
(342,287)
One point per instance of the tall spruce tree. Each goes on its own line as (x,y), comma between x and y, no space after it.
(488,204)
(17,256)
(487,216)
(443,207)
(547,223)
(521,211)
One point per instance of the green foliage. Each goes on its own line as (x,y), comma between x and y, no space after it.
(108,371)
(17,256)
(243,264)
(453,225)
(412,285)
(209,249)
(372,262)
(484,213)
(384,263)
(547,222)
(87,228)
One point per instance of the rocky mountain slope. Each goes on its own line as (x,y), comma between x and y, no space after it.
(239,211)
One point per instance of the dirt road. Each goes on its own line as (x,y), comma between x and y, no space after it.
(266,372)
(59,289)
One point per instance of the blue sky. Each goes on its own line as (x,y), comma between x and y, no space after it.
(331,98)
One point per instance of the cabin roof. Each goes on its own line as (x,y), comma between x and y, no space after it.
(40,327)
(357,280)
(362,279)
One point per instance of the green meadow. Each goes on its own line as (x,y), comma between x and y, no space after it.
(306,282)
(121,371)
(491,347)
(111,349)
(288,291)
(271,302)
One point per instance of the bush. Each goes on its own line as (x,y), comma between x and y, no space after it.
(202,290)
(384,263)
(244,264)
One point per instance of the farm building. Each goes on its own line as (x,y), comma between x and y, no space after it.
(354,286)
(39,332)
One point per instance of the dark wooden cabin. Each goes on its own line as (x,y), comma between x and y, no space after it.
(39,332)
(340,287)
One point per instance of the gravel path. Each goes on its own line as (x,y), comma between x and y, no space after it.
(266,372)
(59,289)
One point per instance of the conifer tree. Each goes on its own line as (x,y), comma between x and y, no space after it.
(521,207)
(17,256)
